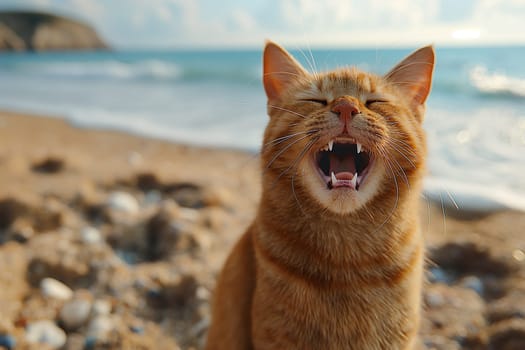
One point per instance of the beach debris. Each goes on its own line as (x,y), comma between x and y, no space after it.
(51,165)
(90,235)
(53,288)
(122,202)
(45,332)
(101,307)
(100,327)
(10,210)
(75,313)
(474,283)
(7,341)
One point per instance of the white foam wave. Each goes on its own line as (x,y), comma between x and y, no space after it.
(154,69)
(496,83)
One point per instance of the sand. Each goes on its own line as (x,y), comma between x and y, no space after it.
(136,229)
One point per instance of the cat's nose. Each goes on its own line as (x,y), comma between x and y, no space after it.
(346,107)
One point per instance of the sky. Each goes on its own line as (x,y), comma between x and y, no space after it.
(315,23)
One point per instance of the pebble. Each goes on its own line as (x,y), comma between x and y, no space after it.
(100,327)
(47,332)
(438,275)
(152,197)
(101,307)
(90,235)
(474,283)
(434,299)
(75,313)
(52,288)
(123,202)
(7,341)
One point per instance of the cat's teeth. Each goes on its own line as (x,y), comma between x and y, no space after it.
(359,148)
(354,180)
(334,179)
(330,145)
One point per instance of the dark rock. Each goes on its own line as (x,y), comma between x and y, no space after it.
(468,258)
(10,210)
(186,194)
(148,182)
(508,335)
(37,31)
(7,341)
(49,166)
(161,235)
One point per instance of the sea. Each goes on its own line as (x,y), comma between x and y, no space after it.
(475,114)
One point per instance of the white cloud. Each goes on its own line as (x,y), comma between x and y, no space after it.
(299,22)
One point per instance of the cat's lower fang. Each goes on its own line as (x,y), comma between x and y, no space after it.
(352,183)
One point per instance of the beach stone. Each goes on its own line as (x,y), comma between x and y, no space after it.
(21,230)
(75,313)
(53,288)
(49,165)
(7,341)
(162,235)
(102,307)
(74,341)
(100,327)
(474,283)
(90,235)
(123,202)
(46,332)
(10,210)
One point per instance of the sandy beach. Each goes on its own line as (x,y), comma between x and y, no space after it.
(113,241)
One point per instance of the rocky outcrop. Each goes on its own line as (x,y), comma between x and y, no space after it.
(35,31)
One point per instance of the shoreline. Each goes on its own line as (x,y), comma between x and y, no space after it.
(142,226)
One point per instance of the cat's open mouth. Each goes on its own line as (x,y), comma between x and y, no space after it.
(343,162)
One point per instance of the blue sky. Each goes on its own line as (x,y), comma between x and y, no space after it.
(236,23)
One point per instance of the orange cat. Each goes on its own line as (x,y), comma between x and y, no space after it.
(334,258)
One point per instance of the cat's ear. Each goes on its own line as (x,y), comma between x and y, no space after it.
(413,75)
(280,69)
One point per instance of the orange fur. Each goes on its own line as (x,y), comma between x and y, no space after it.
(327,264)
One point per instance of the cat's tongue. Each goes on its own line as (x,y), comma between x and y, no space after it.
(342,167)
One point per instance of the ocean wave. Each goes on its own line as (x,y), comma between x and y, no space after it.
(153,69)
(496,84)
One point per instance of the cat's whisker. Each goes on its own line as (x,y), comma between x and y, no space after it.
(288,111)
(299,157)
(286,137)
(284,150)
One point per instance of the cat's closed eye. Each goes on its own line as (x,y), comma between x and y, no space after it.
(369,103)
(320,101)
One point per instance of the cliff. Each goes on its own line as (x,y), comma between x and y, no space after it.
(36,31)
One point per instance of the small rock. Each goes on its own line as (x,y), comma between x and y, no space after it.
(49,165)
(438,275)
(7,341)
(75,313)
(101,307)
(100,327)
(123,202)
(152,197)
(75,341)
(136,329)
(474,283)
(52,288)
(46,332)
(434,299)
(90,235)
